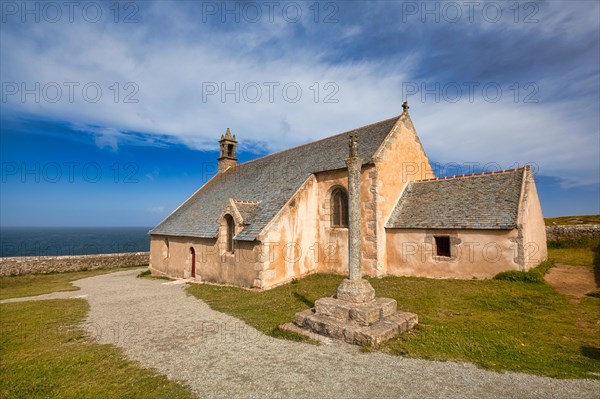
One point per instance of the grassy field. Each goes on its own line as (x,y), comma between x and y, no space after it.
(570,220)
(580,252)
(275,307)
(45,354)
(500,325)
(37,284)
(573,256)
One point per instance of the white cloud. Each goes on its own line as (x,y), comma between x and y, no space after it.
(511,135)
(106,137)
(152,175)
(171,81)
(166,71)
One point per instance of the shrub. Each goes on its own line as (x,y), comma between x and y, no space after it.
(148,274)
(515,275)
(543,267)
(595,293)
(145,273)
(596,263)
(535,275)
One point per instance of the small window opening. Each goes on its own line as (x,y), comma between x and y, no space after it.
(230,232)
(442,245)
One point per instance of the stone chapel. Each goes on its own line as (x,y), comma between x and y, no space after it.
(262,223)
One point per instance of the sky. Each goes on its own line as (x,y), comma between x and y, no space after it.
(111,111)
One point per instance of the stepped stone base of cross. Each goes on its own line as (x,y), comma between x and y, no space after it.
(355,316)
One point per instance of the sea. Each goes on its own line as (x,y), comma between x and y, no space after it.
(53,241)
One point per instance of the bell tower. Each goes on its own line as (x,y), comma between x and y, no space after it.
(227,157)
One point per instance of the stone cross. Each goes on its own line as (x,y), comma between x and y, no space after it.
(354,315)
(354,289)
(354,163)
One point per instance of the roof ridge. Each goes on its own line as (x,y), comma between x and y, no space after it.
(496,172)
(313,142)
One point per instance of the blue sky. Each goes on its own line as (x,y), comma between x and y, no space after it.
(110,112)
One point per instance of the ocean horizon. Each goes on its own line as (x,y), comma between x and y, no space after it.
(56,241)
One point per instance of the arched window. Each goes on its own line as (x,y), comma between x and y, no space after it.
(230,232)
(339,208)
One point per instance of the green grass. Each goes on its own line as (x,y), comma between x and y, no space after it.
(500,325)
(266,310)
(572,256)
(37,284)
(46,355)
(571,220)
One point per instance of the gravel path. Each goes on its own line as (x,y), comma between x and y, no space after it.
(219,356)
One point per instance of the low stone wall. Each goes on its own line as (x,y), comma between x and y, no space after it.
(48,264)
(574,232)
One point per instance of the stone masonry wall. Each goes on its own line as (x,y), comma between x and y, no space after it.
(50,264)
(554,233)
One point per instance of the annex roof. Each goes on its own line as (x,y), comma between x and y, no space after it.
(480,201)
(267,183)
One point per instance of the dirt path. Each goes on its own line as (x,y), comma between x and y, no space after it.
(221,357)
(571,280)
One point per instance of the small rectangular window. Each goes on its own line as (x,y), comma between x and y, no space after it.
(442,246)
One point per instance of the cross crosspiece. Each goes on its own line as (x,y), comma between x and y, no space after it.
(405,107)
(353,144)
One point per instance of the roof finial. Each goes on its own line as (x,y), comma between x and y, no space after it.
(228,134)
(405,107)
(353,144)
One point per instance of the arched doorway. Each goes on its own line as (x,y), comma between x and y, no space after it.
(193,255)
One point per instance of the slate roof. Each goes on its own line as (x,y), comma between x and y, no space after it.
(271,181)
(483,201)
(247,210)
